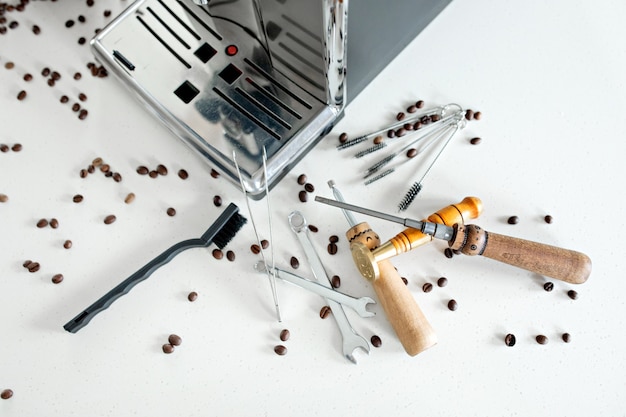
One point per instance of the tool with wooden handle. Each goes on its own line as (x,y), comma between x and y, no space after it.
(558,263)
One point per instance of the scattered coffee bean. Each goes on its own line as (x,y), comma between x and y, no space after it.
(475,141)
(57,278)
(54,223)
(378,139)
(343,138)
(117,177)
(27,263)
(110,219)
(107,13)
(509,339)
(42,223)
(51,82)
(97,162)
(541,339)
(302,179)
(67,244)
(161,169)
(168,348)
(16,147)
(284,335)
(303,196)
(75,107)
(442,282)
(411,153)
(332,248)
(105,168)
(280,350)
(376,342)
(214,173)
(182,174)
(129,198)
(548,286)
(21,95)
(77,76)
(400,132)
(171,211)
(435,118)
(77,198)
(82,40)
(308,187)
(33,267)
(142,170)
(217,201)
(82,115)
(230,255)
(4,198)
(294,262)
(411,109)
(452,305)
(417,125)
(325,312)
(64,99)
(333,239)
(81,18)
(6,394)
(28,77)
(36,30)
(265,243)
(69,23)
(513,220)
(477,115)
(55,76)
(427,287)
(548,219)
(175,340)
(335,281)
(419,104)
(82,97)
(448,253)
(469,114)
(313,228)
(391,133)
(9,65)
(406,281)
(153,174)
(572,294)
(566,337)
(256,249)
(108,174)
(218,254)
(84,173)
(4,148)
(45,72)
(400,116)
(192,296)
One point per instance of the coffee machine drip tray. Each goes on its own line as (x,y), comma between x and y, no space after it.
(223,85)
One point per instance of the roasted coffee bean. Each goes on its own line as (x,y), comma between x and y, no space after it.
(302,179)
(217,200)
(171,211)
(313,228)
(16,147)
(129,198)
(541,339)
(175,340)
(142,170)
(90,3)
(376,342)
(27,263)
(105,168)
(81,18)
(435,118)
(64,99)
(6,394)
(75,107)
(280,350)
(309,188)
(28,77)
(509,339)
(192,296)
(335,281)
(572,294)
(84,173)
(4,148)
(55,76)
(214,173)
(411,153)
(161,169)
(333,239)
(332,248)
(400,132)
(67,244)
(108,174)
(153,174)
(218,254)
(82,115)
(419,104)
(294,262)
(51,82)
(548,219)
(406,281)
(33,267)
(391,133)
(230,255)
(548,286)
(168,348)
(57,278)
(411,109)
(45,72)
(284,335)
(513,220)
(400,116)
(107,13)
(325,312)
(77,76)
(82,40)
(417,125)
(477,115)
(77,198)
(54,223)
(110,219)
(566,337)
(427,287)
(4,198)
(378,139)
(21,95)
(408,126)
(343,138)
(82,97)
(42,223)
(256,249)
(469,114)
(452,305)
(36,30)
(475,141)
(9,65)
(303,196)
(182,174)
(265,243)
(448,253)
(69,23)
(442,282)
(117,177)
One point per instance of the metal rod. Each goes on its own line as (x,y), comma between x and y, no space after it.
(339,197)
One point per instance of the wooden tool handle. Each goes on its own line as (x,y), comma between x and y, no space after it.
(407,319)
(558,263)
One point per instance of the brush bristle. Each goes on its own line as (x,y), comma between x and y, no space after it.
(410,196)
(370,150)
(352,142)
(230,229)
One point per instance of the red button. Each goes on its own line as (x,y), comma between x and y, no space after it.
(231,50)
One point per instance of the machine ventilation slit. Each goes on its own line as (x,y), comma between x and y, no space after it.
(274,98)
(298,72)
(302,28)
(202,23)
(303,44)
(276,83)
(246,113)
(169,29)
(261,106)
(123,60)
(300,58)
(169,48)
(183,24)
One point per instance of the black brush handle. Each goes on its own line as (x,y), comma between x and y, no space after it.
(125,286)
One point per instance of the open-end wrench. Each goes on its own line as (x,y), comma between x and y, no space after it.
(359,305)
(351,340)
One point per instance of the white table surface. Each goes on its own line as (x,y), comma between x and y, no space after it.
(549,79)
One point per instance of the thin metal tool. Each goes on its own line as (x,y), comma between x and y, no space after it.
(270,275)
(351,339)
(359,305)
(339,197)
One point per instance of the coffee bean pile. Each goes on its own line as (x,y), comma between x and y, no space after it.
(303,195)
(281,350)
(172,341)
(16,147)
(98,164)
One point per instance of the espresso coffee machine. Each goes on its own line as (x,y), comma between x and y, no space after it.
(248,77)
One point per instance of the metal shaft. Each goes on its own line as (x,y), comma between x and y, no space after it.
(339,197)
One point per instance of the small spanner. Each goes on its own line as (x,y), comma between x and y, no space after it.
(359,305)
(351,340)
